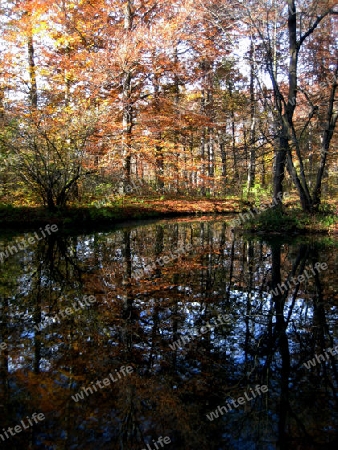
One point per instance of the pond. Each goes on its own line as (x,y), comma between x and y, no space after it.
(177,334)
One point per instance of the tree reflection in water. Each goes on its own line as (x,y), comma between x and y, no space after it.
(133,322)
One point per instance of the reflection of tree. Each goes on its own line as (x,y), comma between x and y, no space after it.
(155,334)
(170,392)
(4,372)
(283,347)
(290,414)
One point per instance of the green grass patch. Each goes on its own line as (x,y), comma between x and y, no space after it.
(293,219)
(272,220)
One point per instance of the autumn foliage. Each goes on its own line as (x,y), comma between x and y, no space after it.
(191,97)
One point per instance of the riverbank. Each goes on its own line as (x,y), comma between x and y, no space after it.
(291,219)
(129,209)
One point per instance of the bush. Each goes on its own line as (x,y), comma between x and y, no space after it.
(273,219)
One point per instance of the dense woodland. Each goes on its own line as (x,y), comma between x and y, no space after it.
(124,109)
(202,98)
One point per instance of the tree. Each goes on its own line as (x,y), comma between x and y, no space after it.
(51,152)
(287,89)
(172,99)
(285,34)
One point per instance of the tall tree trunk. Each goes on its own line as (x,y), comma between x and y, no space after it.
(211,167)
(177,102)
(331,121)
(159,168)
(158,136)
(252,158)
(207,140)
(285,121)
(202,165)
(127,115)
(224,162)
(33,91)
(233,136)
(287,129)
(279,166)
(210,130)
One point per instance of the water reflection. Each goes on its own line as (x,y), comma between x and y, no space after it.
(135,321)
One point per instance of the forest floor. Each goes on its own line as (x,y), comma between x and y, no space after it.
(128,208)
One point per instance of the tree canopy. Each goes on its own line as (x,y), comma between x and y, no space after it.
(206,98)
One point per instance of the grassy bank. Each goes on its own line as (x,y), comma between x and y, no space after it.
(109,214)
(292,219)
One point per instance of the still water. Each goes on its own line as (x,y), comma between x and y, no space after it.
(168,335)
